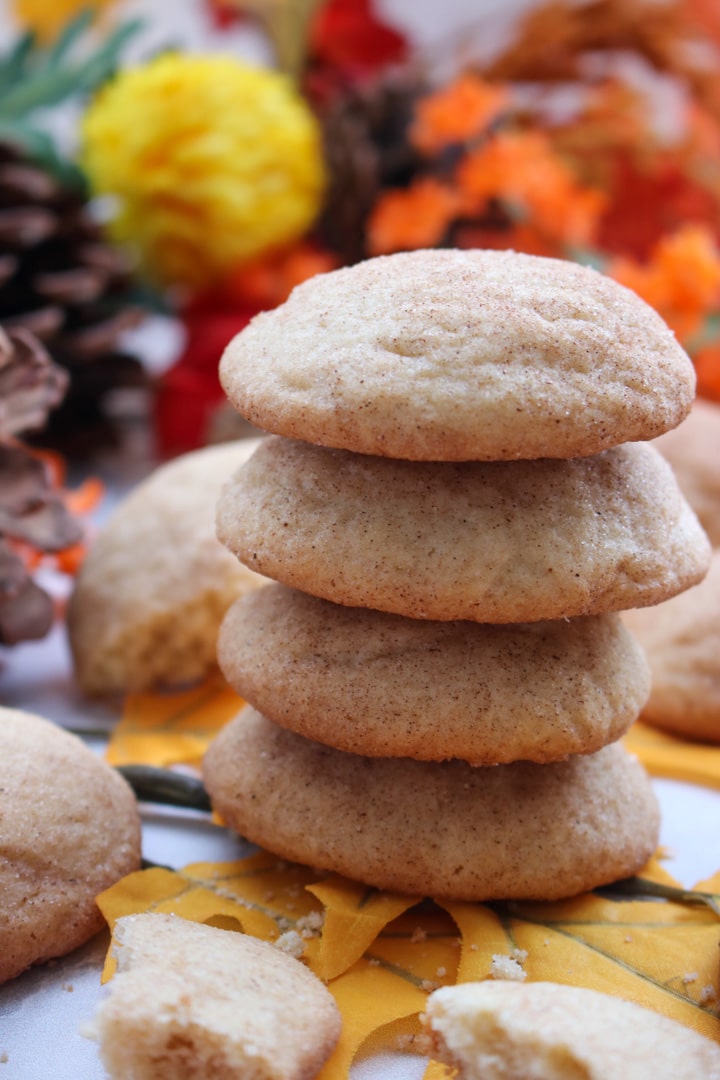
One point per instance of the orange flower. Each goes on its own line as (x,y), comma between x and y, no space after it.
(681,280)
(522,170)
(689,260)
(269,280)
(518,236)
(413,217)
(707,369)
(456,113)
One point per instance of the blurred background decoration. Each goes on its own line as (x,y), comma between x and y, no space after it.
(167,171)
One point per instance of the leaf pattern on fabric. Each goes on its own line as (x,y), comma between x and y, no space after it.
(381,953)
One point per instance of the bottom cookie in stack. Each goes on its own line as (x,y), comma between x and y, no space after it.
(441,829)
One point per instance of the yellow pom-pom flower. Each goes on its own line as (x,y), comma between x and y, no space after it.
(210,162)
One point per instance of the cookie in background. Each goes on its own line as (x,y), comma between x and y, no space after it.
(681,639)
(156,583)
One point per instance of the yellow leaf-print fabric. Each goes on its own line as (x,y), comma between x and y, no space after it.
(381,954)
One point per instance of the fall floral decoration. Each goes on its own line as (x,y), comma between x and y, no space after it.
(190,406)
(210,160)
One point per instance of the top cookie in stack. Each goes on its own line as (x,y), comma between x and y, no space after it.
(460,497)
(461,356)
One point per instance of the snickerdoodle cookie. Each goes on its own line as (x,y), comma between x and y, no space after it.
(441,829)
(382,685)
(461,355)
(70,828)
(512,541)
(693,450)
(156,582)
(682,641)
(498,1030)
(196,1001)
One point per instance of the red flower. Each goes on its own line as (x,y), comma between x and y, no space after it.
(189,392)
(346,34)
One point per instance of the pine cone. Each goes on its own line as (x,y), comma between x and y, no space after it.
(61,281)
(366,150)
(32,512)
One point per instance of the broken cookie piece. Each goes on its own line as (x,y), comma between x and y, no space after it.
(193,1000)
(543,1031)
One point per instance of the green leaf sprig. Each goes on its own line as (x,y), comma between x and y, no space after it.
(35,77)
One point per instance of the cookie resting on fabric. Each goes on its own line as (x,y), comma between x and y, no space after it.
(439,829)
(497,1030)
(70,828)
(196,1001)
(681,639)
(155,584)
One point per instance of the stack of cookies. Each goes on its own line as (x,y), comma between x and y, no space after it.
(457,500)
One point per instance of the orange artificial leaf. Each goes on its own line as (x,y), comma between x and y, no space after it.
(165,729)
(516,236)
(86,497)
(414,217)
(456,113)
(269,280)
(689,260)
(70,559)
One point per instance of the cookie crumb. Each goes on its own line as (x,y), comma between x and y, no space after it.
(414,1044)
(310,925)
(291,943)
(690,977)
(507,967)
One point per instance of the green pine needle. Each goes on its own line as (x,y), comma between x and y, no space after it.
(46,79)
(34,77)
(14,66)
